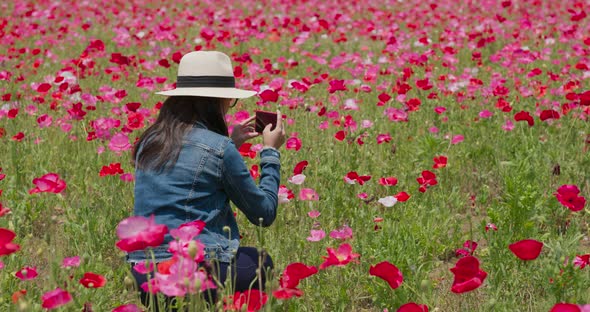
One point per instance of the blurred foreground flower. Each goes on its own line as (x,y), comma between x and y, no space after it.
(138,233)
(55,299)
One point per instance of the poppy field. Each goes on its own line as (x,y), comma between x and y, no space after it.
(437,154)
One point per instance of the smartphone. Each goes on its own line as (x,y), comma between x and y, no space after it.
(264,118)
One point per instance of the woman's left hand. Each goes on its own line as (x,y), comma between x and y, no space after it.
(244,131)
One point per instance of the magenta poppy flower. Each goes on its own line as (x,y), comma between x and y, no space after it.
(388,272)
(27,273)
(582,261)
(413,307)
(127,308)
(388,181)
(6,245)
(138,233)
(527,249)
(48,183)
(468,275)
(336,85)
(565,307)
(567,195)
(269,95)
(55,299)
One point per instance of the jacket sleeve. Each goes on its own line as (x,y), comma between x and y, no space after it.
(257,202)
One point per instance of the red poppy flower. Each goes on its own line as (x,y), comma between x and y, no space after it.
(44,87)
(584,98)
(340,135)
(549,114)
(246,150)
(427,179)
(582,261)
(254,172)
(48,183)
(269,95)
(300,166)
(439,162)
(402,196)
(135,121)
(388,272)
(340,257)
(253,299)
(524,116)
(388,181)
(6,245)
(413,307)
(468,249)
(295,272)
(567,195)
(468,275)
(93,280)
(527,249)
(287,293)
(352,177)
(111,169)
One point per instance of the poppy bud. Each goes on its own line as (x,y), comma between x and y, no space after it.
(192,249)
(23,305)
(128,282)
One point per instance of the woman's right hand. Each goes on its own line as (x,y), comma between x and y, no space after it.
(275,138)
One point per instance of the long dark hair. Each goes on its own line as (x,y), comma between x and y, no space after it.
(161,142)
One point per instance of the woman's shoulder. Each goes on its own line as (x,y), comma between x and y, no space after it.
(208,139)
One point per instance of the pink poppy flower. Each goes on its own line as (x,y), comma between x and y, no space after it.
(567,195)
(491,226)
(285,194)
(119,143)
(457,139)
(316,235)
(127,308)
(508,126)
(181,278)
(527,249)
(339,257)
(314,214)
(144,268)
(27,273)
(297,179)
(55,299)
(485,114)
(308,194)
(388,272)
(343,233)
(71,262)
(48,183)
(138,233)
(293,143)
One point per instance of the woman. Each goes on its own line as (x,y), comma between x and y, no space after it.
(187,168)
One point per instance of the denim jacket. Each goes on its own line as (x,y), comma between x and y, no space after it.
(208,174)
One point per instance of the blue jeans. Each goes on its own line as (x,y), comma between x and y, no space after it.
(244,274)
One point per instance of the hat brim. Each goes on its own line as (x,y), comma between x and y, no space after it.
(226,93)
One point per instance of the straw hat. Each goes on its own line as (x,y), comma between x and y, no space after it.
(207,73)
